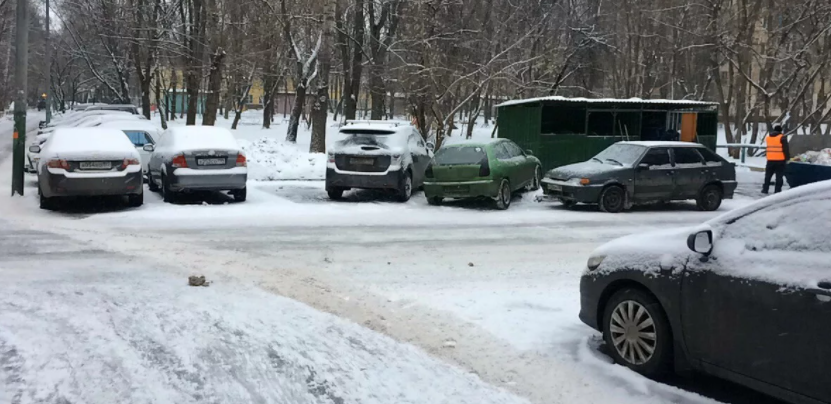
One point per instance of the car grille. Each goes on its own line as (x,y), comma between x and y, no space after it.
(363,164)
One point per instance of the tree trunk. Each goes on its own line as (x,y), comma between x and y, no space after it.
(237,117)
(174,81)
(296,111)
(214,88)
(320,105)
(145,96)
(160,108)
(377,92)
(193,84)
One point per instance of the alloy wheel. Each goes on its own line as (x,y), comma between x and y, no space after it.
(633,332)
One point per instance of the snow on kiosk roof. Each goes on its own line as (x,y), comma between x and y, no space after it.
(635,100)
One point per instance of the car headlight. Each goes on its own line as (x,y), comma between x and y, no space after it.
(396,159)
(595,262)
(579,181)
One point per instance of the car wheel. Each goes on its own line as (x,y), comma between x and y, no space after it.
(405,188)
(151,185)
(637,332)
(167,194)
(710,198)
(135,201)
(435,201)
(503,199)
(535,181)
(335,193)
(568,203)
(241,194)
(612,199)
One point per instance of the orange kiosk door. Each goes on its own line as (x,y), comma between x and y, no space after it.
(689,123)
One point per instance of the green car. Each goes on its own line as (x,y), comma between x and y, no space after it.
(494,169)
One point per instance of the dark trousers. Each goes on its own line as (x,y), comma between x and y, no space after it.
(774,167)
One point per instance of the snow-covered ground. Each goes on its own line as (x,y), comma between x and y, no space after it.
(470,301)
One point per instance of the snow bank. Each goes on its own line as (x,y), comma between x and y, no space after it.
(89,143)
(822,157)
(189,138)
(271,159)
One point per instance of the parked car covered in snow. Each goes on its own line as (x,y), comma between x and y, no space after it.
(197,158)
(628,173)
(377,155)
(493,169)
(88,162)
(745,297)
(141,133)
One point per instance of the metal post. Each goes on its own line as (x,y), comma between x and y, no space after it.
(47,61)
(744,153)
(20,72)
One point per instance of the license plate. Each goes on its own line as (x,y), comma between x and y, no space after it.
(457,189)
(556,188)
(362,162)
(210,162)
(96,165)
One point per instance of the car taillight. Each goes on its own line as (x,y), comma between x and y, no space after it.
(58,164)
(130,162)
(241,160)
(179,161)
(484,167)
(429,172)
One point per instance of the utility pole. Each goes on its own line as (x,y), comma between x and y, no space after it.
(21,68)
(47,56)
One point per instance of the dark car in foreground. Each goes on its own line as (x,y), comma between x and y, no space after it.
(629,173)
(745,297)
(88,162)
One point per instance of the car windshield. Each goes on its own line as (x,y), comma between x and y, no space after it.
(460,155)
(620,154)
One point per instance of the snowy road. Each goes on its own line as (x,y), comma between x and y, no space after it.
(480,305)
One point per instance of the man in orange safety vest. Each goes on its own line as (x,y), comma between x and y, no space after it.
(778,155)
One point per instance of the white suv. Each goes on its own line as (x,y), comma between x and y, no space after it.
(377,155)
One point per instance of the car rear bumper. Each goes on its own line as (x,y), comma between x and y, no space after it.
(186,179)
(52,185)
(387,180)
(729,188)
(461,189)
(558,190)
(590,292)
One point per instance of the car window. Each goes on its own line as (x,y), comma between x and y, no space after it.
(709,156)
(138,137)
(502,152)
(513,149)
(687,156)
(656,157)
(460,155)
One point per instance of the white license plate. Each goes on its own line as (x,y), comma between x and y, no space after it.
(96,165)
(552,187)
(210,162)
(362,162)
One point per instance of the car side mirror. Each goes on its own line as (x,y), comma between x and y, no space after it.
(34,148)
(643,167)
(149,148)
(529,152)
(701,242)
(431,146)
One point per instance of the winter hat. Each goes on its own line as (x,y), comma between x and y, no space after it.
(777,129)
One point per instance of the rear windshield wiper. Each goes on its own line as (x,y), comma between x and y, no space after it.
(615,161)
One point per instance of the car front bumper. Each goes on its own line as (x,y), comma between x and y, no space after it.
(461,189)
(560,190)
(59,184)
(385,180)
(188,179)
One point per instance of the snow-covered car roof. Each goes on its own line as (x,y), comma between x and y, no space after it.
(136,124)
(188,138)
(94,143)
(659,143)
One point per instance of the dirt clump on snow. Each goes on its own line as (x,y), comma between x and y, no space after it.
(198,281)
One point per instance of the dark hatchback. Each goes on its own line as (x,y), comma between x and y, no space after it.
(745,297)
(629,173)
